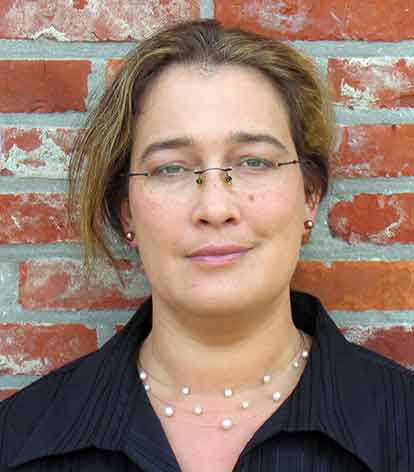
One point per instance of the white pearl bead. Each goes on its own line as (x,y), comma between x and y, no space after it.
(305,354)
(266,379)
(147,388)
(228,392)
(245,404)
(169,411)
(185,391)
(276,396)
(143,375)
(227,424)
(198,410)
(296,364)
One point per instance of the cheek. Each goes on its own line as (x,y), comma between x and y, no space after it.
(148,215)
(276,212)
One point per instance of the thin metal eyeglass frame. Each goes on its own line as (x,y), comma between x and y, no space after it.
(199,179)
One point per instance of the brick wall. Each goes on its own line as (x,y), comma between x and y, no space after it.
(55,58)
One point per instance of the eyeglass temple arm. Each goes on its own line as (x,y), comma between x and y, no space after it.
(133,174)
(296,161)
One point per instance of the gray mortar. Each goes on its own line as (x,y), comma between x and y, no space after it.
(373,318)
(43,120)
(16,381)
(14,185)
(24,252)
(9,283)
(96,83)
(48,49)
(104,332)
(356,48)
(207,9)
(91,317)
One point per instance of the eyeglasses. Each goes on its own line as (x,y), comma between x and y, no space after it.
(249,174)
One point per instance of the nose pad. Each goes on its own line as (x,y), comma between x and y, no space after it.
(201,177)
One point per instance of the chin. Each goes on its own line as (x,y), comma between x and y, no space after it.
(215,300)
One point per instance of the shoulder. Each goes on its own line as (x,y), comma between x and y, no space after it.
(380,375)
(366,401)
(377,367)
(22,412)
(388,388)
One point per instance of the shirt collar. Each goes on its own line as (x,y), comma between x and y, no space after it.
(94,407)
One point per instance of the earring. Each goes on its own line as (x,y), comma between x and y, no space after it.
(308,224)
(130,236)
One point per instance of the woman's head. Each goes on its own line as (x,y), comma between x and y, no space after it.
(105,153)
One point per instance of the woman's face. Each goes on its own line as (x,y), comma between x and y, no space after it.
(208,114)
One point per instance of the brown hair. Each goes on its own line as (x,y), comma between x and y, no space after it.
(97,181)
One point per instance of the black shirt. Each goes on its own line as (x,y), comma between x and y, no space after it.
(352,410)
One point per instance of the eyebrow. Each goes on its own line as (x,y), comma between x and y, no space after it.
(175,143)
(238,137)
(242,137)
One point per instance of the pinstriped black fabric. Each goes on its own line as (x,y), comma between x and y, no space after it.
(352,411)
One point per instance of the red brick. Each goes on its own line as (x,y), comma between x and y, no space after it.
(34,218)
(386,20)
(43,86)
(82,20)
(6,393)
(396,343)
(60,285)
(378,219)
(38,349)
(112,68)
(36,152)
(358,286)
(374,151)
(372,82)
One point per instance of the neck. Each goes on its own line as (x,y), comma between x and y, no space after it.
(210,353)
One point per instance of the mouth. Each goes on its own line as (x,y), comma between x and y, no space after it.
(218,260)
(216,256)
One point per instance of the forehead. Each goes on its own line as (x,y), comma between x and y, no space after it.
(210,103)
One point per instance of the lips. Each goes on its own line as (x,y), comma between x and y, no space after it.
(213,250)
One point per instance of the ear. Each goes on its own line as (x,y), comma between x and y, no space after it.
(127,223)
(312,205)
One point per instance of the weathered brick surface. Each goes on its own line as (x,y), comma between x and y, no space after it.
(374,151)
(43,86)
(376,218)
(38,349)
(396,343)
(358,286)
(36,152)
(60,285)
(372,82)
(83,20)
(56,85)
(6,393)
(34,218)
(386,20)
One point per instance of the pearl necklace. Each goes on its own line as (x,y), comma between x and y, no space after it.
(226,423)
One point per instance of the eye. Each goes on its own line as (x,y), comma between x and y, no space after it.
(169,170)
(256,163)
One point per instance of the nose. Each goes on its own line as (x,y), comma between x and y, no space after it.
(215,201)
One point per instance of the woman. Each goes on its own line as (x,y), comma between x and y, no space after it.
(209,155)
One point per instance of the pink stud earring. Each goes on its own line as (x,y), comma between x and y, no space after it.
(308,224)
(130,236)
